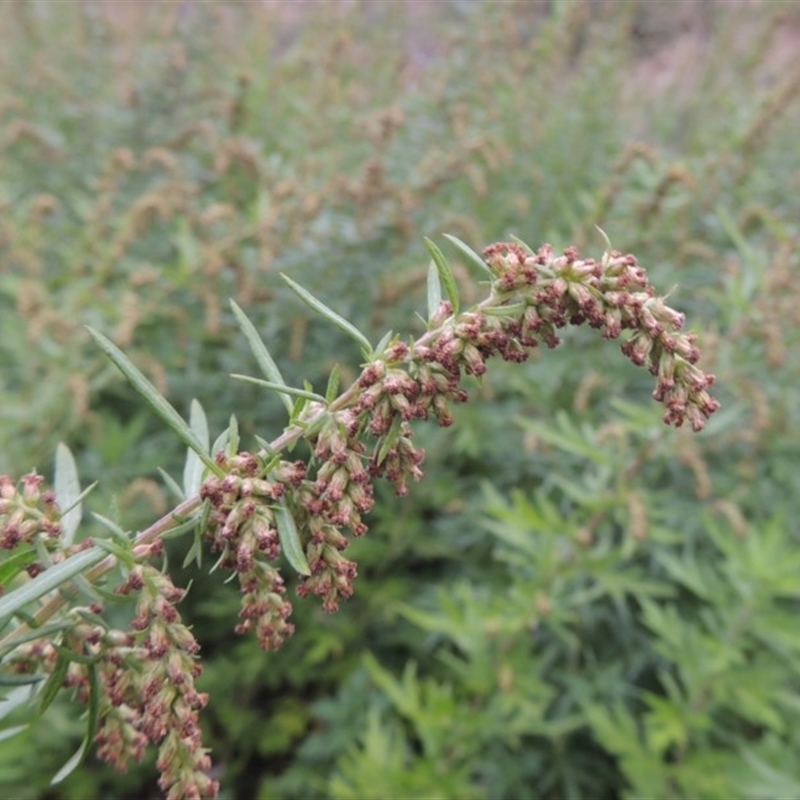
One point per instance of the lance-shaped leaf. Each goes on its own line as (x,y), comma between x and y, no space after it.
(469,254)
(54,683)
(385,341)
(321,308)
(71,765)
(158,403)
(526,247)
(290,539)
(511,310)
(445,274)
(283,389)
(434,290)
(333,385)
(390,439)
(263,358)
(68,492)
(606,240)
(48,580)
(16,563)
(194,467)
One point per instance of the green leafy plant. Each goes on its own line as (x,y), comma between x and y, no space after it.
(252,507)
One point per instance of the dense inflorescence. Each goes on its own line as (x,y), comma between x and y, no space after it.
(145,676)
(366,434)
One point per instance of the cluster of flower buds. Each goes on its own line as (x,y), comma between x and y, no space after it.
(27,513)
(165,702)
(613,295)
(534,294)
(143,681)
(242,527)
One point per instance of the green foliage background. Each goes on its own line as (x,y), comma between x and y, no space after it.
(577,602)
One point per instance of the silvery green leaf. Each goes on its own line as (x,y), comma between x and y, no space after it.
(468,253)
(522,244)
(172,485)
(194,468)
(50,579)
(434,290)
(9,732)
(290,540)
(328,313)
(71,765)
(68,491)
(152,397)
(511,310)
(607,241)
(283,389)
(445,274)
(333,385)
(260,351)
(384,343)
(390,439)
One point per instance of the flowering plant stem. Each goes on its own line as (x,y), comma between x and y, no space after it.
(252,507)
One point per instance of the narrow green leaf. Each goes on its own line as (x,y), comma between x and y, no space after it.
(290,540)
(9,732)
(263,358)
(268,451)
(21,679)
(71,765)
(228,441)
(93,717)
(445,274)
(317,424)
(283,389)
(78,658)
(233,436)
(48,580)
(386,339)
(54,684)
(92,618)
(606,240)
(68,490)
(522,244)
(434,290)
(468,253)
(390,439)
(194,467)
(151,396)
(511,310)
(321,308)
(17,697)
(195,552)
(34,633)
(333,385)
(117,533)
(182,527)
(172,485)
(15,563)
(297,411)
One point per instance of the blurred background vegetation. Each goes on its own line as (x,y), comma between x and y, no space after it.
(577,602)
